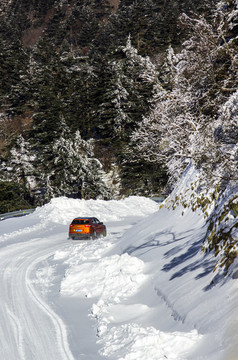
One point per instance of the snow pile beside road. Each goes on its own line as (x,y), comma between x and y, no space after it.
(63,210)
(133,342)
(112,278)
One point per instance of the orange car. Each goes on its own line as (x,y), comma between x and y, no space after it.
(86,228)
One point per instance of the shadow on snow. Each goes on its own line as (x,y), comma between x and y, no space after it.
(192,249)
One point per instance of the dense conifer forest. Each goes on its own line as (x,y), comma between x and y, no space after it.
(111,98)
(78,78)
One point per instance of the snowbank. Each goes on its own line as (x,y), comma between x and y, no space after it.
(62,210)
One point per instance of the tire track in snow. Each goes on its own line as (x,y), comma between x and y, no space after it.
(60,329)
(18,334)
(30,329)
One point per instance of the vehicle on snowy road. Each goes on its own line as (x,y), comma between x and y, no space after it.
(86,228)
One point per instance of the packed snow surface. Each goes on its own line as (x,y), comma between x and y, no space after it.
(144,292)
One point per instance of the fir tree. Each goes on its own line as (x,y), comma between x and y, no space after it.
(13,197)
(128,82)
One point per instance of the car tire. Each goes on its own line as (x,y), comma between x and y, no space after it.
(94,235)
(104,233)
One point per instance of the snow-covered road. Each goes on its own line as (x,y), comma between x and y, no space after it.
(31,330)
(36,322)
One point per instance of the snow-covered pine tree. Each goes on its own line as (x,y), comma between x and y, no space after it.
(128,83)
(75,172)
(226,140)
(20,166)
(184,116)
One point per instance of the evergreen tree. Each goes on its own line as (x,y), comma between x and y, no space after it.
(81,103)
(50,85)
(21,162)
(75,172)
(13,197)
(128,82)
(13,65)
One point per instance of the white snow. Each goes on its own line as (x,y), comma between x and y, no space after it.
(145,292)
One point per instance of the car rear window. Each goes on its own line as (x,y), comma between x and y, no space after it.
(80,222)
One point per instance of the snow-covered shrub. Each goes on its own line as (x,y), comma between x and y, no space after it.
(222,233)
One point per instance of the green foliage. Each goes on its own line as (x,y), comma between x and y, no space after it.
(13,64)
(142,178)
(13,197)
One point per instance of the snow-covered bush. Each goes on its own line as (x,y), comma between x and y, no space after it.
(222,233)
